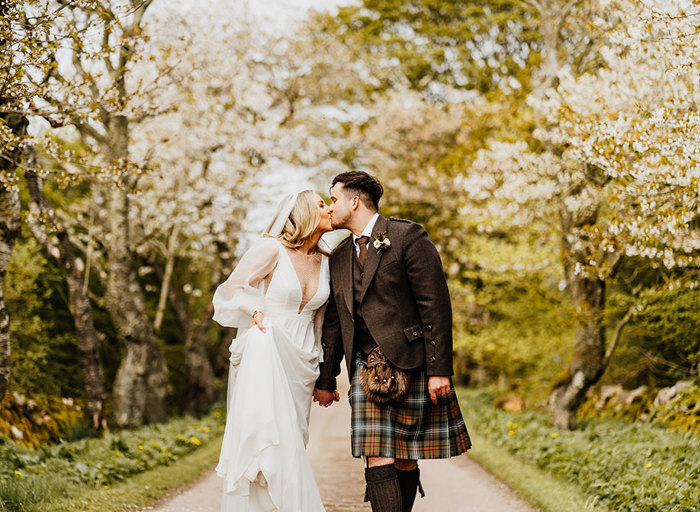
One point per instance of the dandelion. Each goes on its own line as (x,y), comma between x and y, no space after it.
(162,448)
(195,441)
(207,429)
(117,453)
(648,466)
(105,486)
(515,425)
(169,454)
(511,432)
(198,427)
(554,435)
(18,473)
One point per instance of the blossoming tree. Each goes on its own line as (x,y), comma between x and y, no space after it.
(614,157)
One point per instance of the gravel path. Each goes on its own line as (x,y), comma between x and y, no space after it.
(455,485)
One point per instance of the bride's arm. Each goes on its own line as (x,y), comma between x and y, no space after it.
(237,298)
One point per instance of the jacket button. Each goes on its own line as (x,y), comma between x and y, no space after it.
(415,333)
(432,359)
(428,326)
(432,342)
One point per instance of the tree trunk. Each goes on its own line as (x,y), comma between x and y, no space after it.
(201,388)
(88,341)
(587,362)
(587,290)
(10,225)
(141,384)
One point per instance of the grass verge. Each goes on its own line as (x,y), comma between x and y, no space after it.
(33,480)
(142,489)
(536,487)
(618,465)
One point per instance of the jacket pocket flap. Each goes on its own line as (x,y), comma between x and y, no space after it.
(413,333)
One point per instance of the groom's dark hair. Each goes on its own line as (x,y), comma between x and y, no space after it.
(362,184)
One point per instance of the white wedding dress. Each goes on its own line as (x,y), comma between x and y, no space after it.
(263,456)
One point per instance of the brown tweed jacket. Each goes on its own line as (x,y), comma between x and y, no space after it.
(404,302)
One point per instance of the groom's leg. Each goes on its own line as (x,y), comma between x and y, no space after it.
(383,489)
(409,482)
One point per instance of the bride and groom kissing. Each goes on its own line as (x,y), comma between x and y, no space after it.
(380,301)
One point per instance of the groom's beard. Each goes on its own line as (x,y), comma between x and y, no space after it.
(339,223)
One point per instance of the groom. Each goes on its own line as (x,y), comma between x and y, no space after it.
(388,289)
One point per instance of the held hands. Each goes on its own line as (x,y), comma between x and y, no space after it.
(438,387)
(325,397)
(258,320)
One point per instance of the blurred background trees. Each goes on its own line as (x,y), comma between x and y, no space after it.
(550,149)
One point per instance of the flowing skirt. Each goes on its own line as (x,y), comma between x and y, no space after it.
(263,456)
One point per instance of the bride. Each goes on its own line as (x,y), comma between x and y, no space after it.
(276,297)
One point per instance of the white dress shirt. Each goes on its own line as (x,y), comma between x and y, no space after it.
(365,232)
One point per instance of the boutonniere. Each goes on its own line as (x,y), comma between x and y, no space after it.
(381,241)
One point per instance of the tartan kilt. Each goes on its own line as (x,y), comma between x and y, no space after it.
(412,429)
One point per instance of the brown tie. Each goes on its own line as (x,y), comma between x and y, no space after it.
(362,244)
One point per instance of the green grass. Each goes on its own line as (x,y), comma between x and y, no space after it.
(142,489)
(535,486)
(617,465)
(30,479)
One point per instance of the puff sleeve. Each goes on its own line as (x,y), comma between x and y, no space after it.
(236,299)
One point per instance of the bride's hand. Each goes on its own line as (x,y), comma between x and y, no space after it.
(258,320)
(325,397)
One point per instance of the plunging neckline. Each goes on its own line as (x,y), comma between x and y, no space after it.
(301,288)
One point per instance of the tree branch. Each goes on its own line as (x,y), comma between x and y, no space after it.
(86,130)
(617,334)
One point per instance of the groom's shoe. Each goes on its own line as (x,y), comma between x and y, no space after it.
(383,489)
(409,482)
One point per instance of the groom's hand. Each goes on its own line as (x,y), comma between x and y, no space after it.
(325,397)
(438,387)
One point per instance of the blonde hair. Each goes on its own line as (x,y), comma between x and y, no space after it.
(302,221)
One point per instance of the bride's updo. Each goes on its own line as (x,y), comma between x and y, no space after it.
(302,221)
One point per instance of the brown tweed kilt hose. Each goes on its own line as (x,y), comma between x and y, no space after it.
(412,429)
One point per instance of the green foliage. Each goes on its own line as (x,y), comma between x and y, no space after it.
(27,476)
(139,491)
(521,336)
(484,45)
(625,466)
(44,353)
(669,328)
(661,344)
